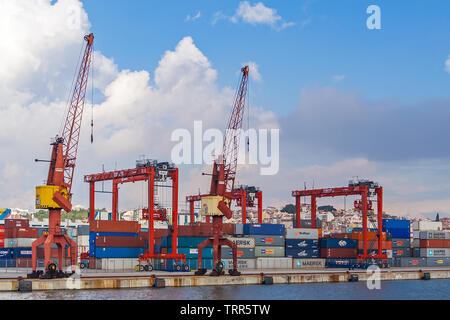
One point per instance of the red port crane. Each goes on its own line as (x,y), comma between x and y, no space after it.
(56,194)
(217,203)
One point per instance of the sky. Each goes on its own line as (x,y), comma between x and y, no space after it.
(348,100)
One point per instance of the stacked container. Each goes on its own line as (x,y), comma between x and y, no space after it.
(2,235)
(188,246)
(400,231)
(302,245)
(18,233)
(117,240)
(434,246)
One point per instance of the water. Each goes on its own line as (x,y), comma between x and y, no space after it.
(390,290)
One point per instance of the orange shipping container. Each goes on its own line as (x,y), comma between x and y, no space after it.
(434,243)
(114,226)
(371,235)
(373,244)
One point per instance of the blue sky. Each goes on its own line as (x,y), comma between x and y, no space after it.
(403,61)
(349,101)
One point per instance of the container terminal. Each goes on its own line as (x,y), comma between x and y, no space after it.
(114,253)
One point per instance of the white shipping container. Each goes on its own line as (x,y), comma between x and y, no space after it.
(241,263)
(243,242)
(19,242)
(415,243)
(429,234)
(427,225)
(273,263)
(302,233)
(119,264)
(308,263)
(434,252)
(83,240)
(416,234)
(389,254)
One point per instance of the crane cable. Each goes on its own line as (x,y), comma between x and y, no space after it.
(92,83)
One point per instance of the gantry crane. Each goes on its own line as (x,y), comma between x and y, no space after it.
(217,203)
(56,194)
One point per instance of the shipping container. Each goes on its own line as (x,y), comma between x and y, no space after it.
(264,229)
(438,262)
(241,263)
(338,252)
(192,253)
(267,240)
(427,225)
(206,264)
(303,233)
(395,224)
(197,230)
(338,243)
(242,253)
(433,243)
(401,252)
(19,242)
(401,243)
(305,244)
(118,252)
(400,233)
(371,235)
(130,242)
(16,223)
(435,252)
(21,253)
(243,242)
(21,232)
(83,240)
(119,263)
(186,242)
(373,244)
(239,229)
(341,262)
(409,262)
(435,235)
(83,230)
(269,251)
(273,263)
(7,263)
(114,226)
(308,263)
(303,253)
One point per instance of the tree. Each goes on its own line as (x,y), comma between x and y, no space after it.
(289,208)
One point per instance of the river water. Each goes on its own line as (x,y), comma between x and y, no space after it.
(403,290)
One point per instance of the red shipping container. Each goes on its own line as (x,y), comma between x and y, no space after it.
(371,235)
(339,235)
(338,253)
(434,243)
(16,223)
(114,226)
(120,242)
(22,232)
(373,244)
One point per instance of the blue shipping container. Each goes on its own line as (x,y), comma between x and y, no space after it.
(396,224)
(7,263)
(264,229)
(206,263)
(6,253)
(92,235)
(298,243)
(185,242)
(192,253)
(303,253)
(21,253)
(338,243)
(118,252)
(400,233)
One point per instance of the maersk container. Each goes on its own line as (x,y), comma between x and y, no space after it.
(434,235)
(401,243)
(338,243)
(438,262)
(435,252)
(427,225)
(340,263)
(269,251)
(267,240)
(242,253)
(305,244)
(308,263)
(192,253)
(303,253)
(243,242)
(273,263)
(395,224)
(302,233)
(241,263)
(400,233)
(118,252)
(264,229)
(409,262)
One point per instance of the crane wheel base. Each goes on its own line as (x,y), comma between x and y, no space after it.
(200,272)
(234,272)
(35,274)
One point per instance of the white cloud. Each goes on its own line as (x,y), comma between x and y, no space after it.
(253,70)
(255,15)
(339,77)
(447,64)
(192,18)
